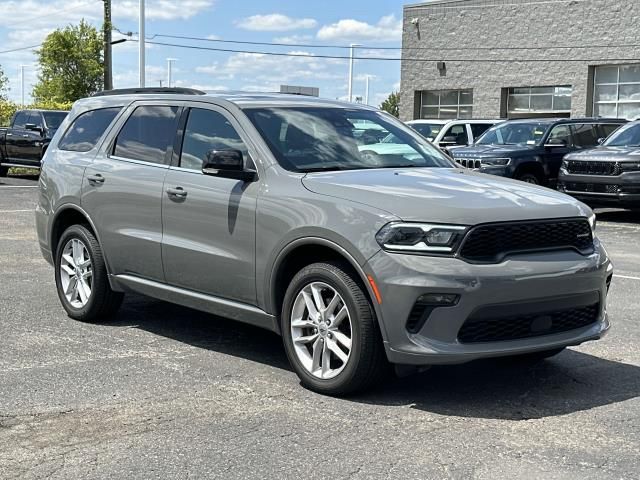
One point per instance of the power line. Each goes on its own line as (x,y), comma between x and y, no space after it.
(21,48)
(55,13)
(394,59)
(371,47)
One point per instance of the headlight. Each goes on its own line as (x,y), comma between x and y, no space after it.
(630,167)
(421,237)
(592,223)
(496,161)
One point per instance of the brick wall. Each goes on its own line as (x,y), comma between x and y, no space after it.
(513,23)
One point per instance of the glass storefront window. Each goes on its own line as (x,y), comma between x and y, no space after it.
(446,104)
(539,100)
(617,91)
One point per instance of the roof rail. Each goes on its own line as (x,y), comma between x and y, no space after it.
(133,91)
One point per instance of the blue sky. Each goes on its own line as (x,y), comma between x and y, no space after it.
(373,23)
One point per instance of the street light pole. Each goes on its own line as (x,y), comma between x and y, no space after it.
(141,46)
(169,65)
(366,90)
(22,85)
(351,47)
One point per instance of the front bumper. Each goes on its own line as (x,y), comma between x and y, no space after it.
(520,279)
(603,190)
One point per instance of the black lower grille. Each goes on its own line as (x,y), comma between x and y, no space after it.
(470,162)
(593,168)
(477,330)
(592,187)
(491,242)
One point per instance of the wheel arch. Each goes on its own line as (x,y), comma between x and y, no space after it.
(66,216)
(305,251)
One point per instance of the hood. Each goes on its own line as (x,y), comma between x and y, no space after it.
(491,151)
(607,153)
(445,195)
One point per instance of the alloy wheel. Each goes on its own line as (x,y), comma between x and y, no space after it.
(76,273)
(321,330)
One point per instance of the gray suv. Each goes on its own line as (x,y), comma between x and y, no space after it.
(267,209)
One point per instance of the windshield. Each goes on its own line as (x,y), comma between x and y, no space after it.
(54,119)
(427,130)
(626,136)
(517,133)
(308,139)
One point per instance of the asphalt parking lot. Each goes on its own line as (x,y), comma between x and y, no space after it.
(168,392)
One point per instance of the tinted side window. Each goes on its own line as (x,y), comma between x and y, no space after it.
(457,131)
(20,120)
(36,119)
(585,135)
(147,134)
(607,129)
(86,129)
(478,129)
(560,135)
(207,130)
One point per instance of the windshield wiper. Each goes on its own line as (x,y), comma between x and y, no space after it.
(324,169)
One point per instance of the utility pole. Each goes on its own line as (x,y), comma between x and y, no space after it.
(351,47)
(108,81)
(141,46)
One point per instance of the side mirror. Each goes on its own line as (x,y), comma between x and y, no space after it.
(227,164)
(449,139)
(33,127)
(601,141)
(555,143)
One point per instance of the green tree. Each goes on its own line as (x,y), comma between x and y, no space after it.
(4,82)
(392,104)
(70,64)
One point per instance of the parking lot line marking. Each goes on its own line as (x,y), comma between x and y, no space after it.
(16,211)
(626,276)
(18,186)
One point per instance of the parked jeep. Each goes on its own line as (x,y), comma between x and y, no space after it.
(263,208)
(532,150)
(451,134)
(608,175)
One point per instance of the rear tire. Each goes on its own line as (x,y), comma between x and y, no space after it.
(4,171)
(348,324)
(81,277)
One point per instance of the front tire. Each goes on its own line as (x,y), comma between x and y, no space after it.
(4,171)
(529,178)
(81,277)
(330,332)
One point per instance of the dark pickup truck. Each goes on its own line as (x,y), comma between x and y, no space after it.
(23,143)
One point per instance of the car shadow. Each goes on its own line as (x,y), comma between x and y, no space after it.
(493,389)
(202,330)
(618,216)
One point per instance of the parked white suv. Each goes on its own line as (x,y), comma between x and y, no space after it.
(449,134)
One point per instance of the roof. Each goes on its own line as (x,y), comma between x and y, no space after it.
(567,120)
(241,99)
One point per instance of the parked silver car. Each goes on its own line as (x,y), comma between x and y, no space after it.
(262,208)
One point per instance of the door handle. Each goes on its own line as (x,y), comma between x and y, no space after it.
(177,193)
(96,179)
(9,134)
(25,135)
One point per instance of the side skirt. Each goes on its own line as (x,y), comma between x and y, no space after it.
(199,301)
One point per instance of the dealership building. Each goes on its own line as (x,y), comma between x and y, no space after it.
(521,58)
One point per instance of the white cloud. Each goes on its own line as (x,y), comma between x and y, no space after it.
(294,39)
(388,28)
(275,22)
